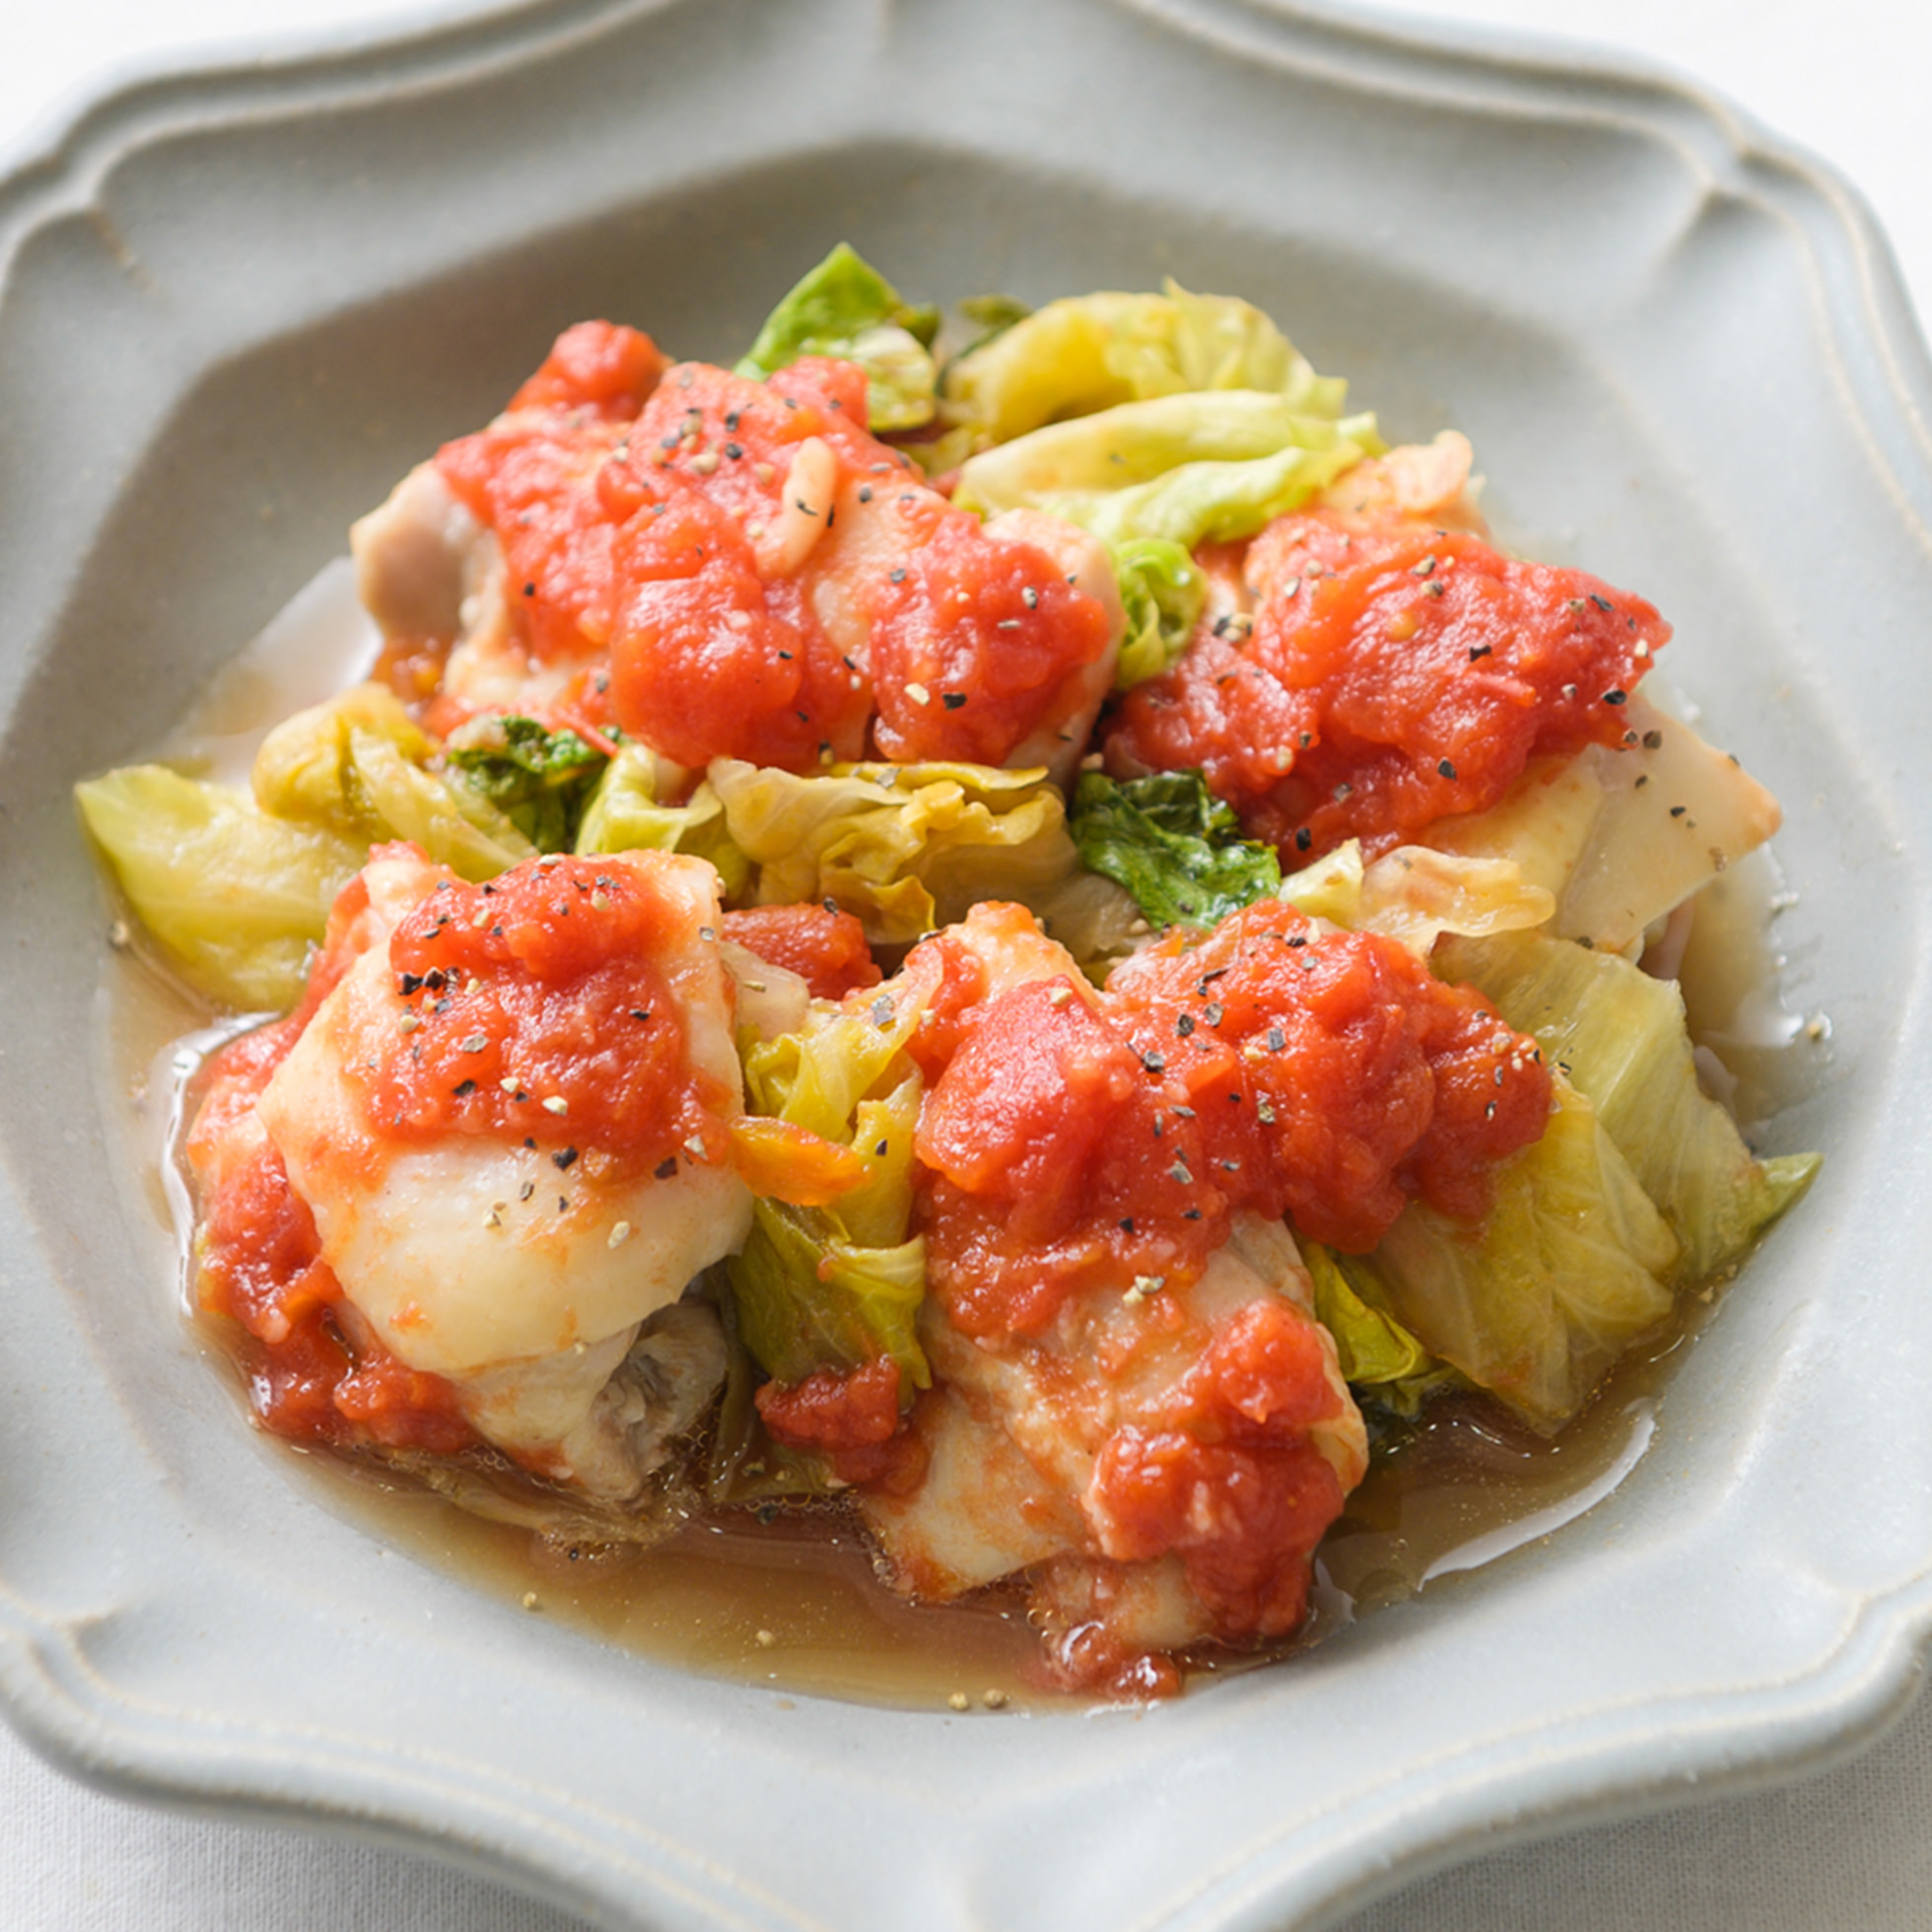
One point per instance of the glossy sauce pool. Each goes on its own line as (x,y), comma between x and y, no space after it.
(792,1601)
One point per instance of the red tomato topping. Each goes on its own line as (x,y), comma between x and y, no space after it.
(545,985)
(1223,1468)
(233,1080)
(1246,1519)
(1338,1072)
(990,632)
(852,1417)
(260,1256)
(596,366)
(1026,1102)
(1391,678)
(402,1408)
(716,659)
(1323,1075)
(827,950)
(950,981)
(1227,1475)
(261,1266)
(534,479)
(738,615)
(1045,1172)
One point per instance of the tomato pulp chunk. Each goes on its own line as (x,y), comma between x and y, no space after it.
(1390,678)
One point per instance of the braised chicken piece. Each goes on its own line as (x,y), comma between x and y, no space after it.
(498,1140)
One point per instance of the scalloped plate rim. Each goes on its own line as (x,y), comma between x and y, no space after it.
(1862,1687)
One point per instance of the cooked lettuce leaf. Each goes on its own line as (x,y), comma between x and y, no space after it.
(1220,342)
(236,897)
(946,442)
(1162,591)
(1045,367)
(836,1286)
(1214,502)
(818,1077)
(305,769)
(1092,352)
(1136,443)
(1620,1036)
(991,315)
(1621,835)
(906,848)
(357,765)
(1373,1349)
(1415,894)
(1173,845)
(1535,1302)
(237,890)
(1189,468)
(846,308)
(539,780)
(1098,920)
(455,826)
(809,1300)
(623,815)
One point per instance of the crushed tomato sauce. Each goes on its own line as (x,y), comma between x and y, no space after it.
(1277,1066)
(827,948)
(1227,1476)
(743,570)
(852,1417)
(1391,678)
(602,370)
(260,1266)
(542,986)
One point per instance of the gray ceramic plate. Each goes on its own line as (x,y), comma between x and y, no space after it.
(236,305)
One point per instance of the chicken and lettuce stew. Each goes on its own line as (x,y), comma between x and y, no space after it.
(1036,944)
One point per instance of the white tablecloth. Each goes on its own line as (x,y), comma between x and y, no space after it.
(1848,1849)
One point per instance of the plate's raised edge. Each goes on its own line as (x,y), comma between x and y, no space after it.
(1822,1717)
(554,1845)
(549,1844)
(1363,45)
(1481,67)
(1472,66)
(58,167)
(1750,1737)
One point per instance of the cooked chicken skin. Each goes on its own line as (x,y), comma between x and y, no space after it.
(519,1254)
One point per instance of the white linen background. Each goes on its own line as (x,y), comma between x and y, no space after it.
(1850,1847)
